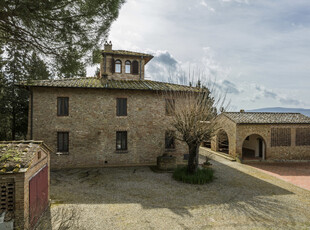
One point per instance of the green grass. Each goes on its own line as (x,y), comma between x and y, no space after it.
(202,176)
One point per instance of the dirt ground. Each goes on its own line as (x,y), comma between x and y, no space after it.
(240,197)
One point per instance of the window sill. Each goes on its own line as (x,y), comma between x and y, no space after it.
(62,153)
(121,151)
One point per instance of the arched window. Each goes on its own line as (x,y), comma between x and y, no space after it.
(135,67)
(118,66)
(127,67)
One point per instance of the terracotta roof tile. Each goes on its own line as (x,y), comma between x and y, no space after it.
(267,118)
(16,155)
(147,57)
(93,82)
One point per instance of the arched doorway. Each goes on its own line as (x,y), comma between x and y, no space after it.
(223,142)
(254,147)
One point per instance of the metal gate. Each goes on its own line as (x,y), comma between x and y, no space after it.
(38,195)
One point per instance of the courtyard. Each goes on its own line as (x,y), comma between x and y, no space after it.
(240,197)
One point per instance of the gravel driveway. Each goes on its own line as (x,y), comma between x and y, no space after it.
(240,197)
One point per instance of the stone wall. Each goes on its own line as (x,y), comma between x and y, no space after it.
(92,124)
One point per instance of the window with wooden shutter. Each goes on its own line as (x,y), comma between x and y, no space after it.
(63,142)
(135,67)
(121,106)
(62,106)
(170,107)
(280,137)
(170,140)
(302,136)
(121,140)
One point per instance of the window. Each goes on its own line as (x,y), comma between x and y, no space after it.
(280,137)
(127,67)
(135,67)
(118,66)
(63,142)
(170,140)
(170,107)
(121,140)
(121,106)
(62,106)
(302,136)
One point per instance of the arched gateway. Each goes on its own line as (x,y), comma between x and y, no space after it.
(223,142)
(254,147)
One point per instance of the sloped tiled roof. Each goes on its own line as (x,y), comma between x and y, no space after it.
(147,57)
(267,118)
(16,155)
(93,82)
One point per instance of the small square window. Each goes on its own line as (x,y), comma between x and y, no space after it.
(170,107)
(63,106)
(63,142)
(121,106)
(121,140)
(170,140)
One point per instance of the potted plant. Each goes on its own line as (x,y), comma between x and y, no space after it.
(207,163)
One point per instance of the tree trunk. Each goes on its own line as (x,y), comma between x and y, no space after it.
(13,109)
(193,157)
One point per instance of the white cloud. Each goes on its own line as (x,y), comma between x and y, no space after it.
(248,43)
(204,4)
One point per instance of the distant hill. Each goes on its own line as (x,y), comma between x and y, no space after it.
(282,110)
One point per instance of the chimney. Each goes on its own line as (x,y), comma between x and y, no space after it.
(241,110)
(108,46)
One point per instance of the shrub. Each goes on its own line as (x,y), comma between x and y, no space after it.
(202,176)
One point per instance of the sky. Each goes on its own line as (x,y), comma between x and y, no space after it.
(257,52)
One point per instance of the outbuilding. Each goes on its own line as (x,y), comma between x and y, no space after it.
(263,136)
(24,184)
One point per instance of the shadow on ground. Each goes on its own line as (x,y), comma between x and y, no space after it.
(231,188)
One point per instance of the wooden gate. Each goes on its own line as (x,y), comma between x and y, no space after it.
(38,195)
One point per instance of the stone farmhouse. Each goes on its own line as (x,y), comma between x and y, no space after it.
(24,184)
(263,136)
(121,119)
(115,119)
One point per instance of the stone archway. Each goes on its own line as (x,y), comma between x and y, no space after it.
(254,148)
(222,142)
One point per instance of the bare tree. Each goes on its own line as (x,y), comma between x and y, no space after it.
(194,117)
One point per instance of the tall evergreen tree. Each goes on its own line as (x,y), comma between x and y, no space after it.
(19,66)
(48,26)
(41,36)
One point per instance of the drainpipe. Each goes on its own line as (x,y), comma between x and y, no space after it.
(105,63)
(31,114)
(141,67)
